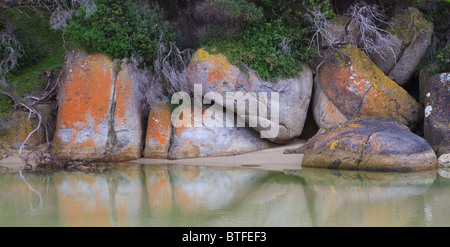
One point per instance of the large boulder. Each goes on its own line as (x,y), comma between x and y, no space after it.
(414,35)
(99,112)
(376,144)
(159,132)
(210,139)
(350,86)
(216,74)
(437,113)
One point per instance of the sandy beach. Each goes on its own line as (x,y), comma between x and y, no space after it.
(268,159)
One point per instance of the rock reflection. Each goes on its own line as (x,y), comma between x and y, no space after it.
(355,198)
(111,198)
(170,195)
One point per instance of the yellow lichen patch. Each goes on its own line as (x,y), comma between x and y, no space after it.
(333,145)
(384,98)
(218,64)
(408,25)
(203,56)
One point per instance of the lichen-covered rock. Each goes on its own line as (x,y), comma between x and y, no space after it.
(15,128)
(18,128)
(376,144)
(325,113)
(414,35)
(216,74)
(437,113)
(356,88)
(159,132)
(99,110)
(210,140)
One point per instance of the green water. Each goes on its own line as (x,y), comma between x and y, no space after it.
(168,195)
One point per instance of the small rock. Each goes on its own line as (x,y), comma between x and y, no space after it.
(16,129)
(444,161)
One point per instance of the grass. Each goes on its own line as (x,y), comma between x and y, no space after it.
(50,55)
(45,53)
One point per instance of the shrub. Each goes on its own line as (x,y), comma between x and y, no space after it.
(441,62)
(275,45)
(438,52)
(31,51)
(122,29)
(293,10)
(264,48)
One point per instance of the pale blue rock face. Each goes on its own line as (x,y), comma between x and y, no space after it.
(212,138)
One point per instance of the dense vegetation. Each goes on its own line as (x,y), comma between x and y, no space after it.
(122,29)
(269,36)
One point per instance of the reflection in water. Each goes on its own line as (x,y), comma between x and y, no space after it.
(169,195)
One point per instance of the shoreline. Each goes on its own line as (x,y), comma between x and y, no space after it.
(267,159)
(271,159)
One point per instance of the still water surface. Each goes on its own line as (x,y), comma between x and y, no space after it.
(170,195)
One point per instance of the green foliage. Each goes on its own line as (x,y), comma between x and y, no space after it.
(122,29)
(5,106)
(442,63)
(438,53)
(293,10)
(43,49)
(262,46)
(242,9)
(32,51)
(275,45)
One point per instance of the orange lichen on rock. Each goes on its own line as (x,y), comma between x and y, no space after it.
(98,110)
(216,70)
(123,96)
(358,88)
(84,101)
(159,132)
